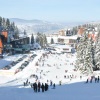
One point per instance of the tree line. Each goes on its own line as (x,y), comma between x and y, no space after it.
(5,24)
(41,39)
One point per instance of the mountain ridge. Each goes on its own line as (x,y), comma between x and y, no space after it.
(35,25)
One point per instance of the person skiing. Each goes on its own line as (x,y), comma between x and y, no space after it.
(54,86)
(59,82)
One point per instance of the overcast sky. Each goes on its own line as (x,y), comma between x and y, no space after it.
(51,10)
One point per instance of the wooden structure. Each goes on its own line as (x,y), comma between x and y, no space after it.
(3,40)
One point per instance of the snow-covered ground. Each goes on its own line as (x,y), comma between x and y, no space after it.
(51,67)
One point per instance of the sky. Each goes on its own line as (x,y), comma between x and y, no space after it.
(51,10)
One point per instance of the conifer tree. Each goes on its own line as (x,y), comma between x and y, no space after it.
(84,61)
(8,24)
(44,40)
(52,41)
(88,59)
(37,39)
(16,36)
(4,23)
(97,51)
(0,21)
(32,39)
(25,32)
(41,39)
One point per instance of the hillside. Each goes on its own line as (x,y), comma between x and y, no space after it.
(34,26)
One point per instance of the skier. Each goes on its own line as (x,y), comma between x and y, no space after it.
(87,81)
(59,82)
(54,86)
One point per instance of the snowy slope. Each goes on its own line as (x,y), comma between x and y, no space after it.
(52,67)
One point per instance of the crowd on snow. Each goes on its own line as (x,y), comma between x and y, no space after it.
(37,86)
(93,78)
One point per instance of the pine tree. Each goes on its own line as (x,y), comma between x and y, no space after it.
(8,24)
(44,40)
(4,23)
(84,61)
(97,51)
(12,26)
(88,59)
(25,32)
(0,21)
(93,50)
(16,36)
(32,39)
(80,59)
(52,41)
(39,39)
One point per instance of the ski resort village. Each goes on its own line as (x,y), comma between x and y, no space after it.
(64,65)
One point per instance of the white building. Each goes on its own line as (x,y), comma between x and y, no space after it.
(68,40)
(61,48)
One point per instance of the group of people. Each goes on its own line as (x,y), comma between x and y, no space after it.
(96,79)
(37,86)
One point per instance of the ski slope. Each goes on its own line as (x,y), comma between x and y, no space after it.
(51,67)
